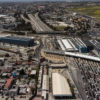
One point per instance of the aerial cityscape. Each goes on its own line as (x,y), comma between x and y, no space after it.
(49,50)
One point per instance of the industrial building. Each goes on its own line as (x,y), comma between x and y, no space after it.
(20,41)
(89,45)
(60,86)
(67,45)
(80,45)
(96,45)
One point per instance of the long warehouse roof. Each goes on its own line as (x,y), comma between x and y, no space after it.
(16,38)
(79,42)
(60,85)
(95,43)
(62,46)
(67,45)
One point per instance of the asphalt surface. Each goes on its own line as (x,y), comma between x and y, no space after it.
(34,23)
(77,78)
(33,26)
(41,24)
(38,50)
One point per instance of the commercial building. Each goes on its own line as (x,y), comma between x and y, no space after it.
(60,86)
(20,41)
(80,45)
(67,45)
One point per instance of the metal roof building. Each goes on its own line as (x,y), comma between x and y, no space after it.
(96,45)
(60,86)
(67,45)
(45,86)
(21,41)
(80,44)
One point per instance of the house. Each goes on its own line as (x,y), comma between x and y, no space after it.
(33,72)
(8,83)
(2,84)
(6,71)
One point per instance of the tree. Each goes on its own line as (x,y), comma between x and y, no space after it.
(42,97)
(32,90)
(22,72)
(6,55)
(29,58)
(13,98)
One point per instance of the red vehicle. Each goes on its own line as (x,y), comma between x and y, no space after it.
(42,59)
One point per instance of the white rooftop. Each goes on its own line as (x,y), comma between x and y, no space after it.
(45,85)
(67,45)
(60,85)
(33,72)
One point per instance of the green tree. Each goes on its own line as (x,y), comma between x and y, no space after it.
(29,58)
(32,90)
(22,72)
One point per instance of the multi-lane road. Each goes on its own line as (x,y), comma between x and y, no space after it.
(39,25)
(34,23)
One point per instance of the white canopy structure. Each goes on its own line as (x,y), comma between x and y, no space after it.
(60,86)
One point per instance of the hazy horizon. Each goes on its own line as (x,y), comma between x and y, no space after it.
(43,0)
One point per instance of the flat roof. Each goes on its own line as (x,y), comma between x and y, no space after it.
(45,85)
(58,65)
(60,86)
(61,45)
(16,38)
(88,43)
(95,43)
(33,72)
(67,45)
(79,42)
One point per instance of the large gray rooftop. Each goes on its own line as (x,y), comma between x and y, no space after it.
(16,38)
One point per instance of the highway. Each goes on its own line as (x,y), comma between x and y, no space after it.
(40,26)
(26,20)
(34,23)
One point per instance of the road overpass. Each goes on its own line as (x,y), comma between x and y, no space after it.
(26,20)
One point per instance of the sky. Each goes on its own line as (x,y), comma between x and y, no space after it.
(43,0)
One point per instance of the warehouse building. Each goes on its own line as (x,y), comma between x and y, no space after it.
(96,45)
(80,45)
(60,86)
(67,45)
(20,41)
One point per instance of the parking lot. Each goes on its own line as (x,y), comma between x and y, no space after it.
(90,72)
